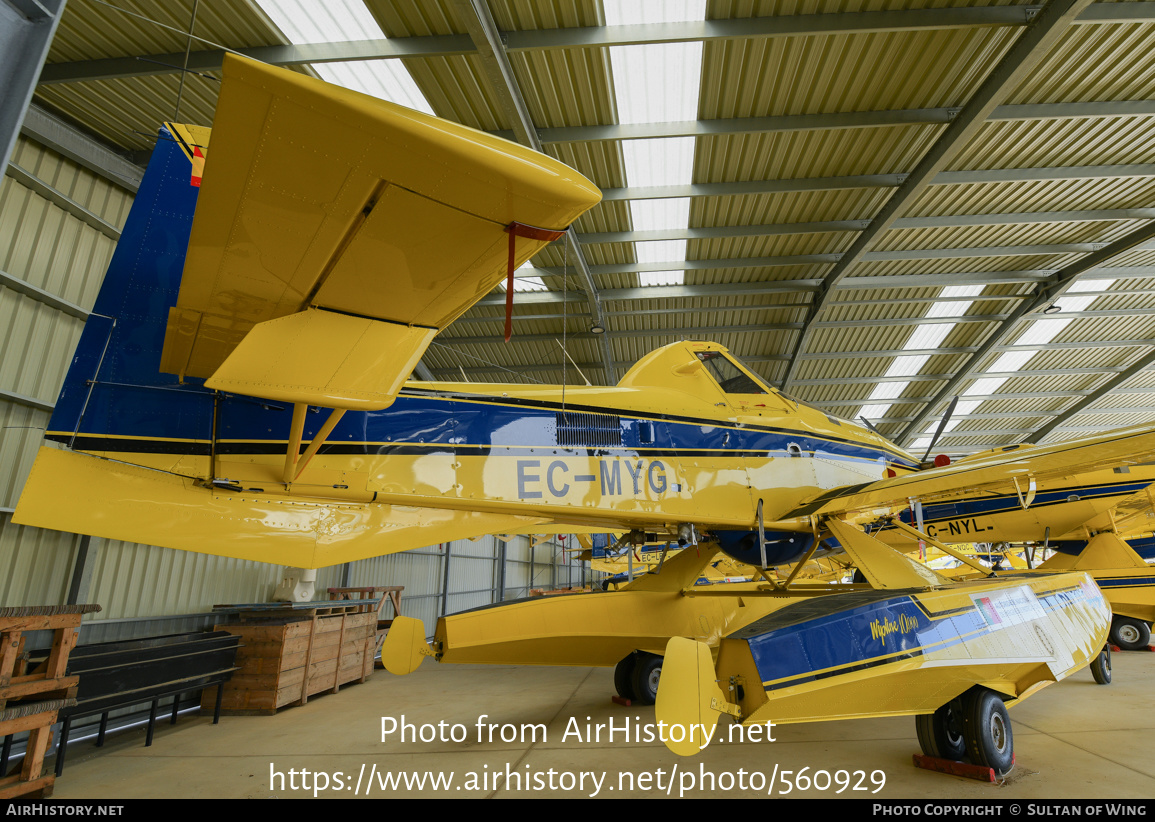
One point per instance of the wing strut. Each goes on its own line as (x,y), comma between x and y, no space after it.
(295,462)
(902,526)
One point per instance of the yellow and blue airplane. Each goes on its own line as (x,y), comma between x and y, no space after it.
(241,388)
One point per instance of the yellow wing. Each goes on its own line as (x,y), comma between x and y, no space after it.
(1013,469)
(336,233)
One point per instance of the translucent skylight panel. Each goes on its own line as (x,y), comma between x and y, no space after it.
(927,336)
(385,79)
(905,367)
(954,307)
(304,21)
(660,251)
(923,337)
(636,12)
(657,82)
(661,161)
(1038,332)
(655,215)
(339,21)
(527,283)
(647,278)
(526,278)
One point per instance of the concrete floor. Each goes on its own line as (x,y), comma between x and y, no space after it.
(1073,740)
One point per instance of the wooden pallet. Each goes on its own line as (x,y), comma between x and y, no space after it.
(48,681)
(37,719)
(284,660)
(31,699)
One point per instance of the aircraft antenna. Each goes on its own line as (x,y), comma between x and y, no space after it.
(458,353)
(574,364)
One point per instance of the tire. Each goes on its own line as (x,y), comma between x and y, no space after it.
(1101,667)
(987,731)
(1130,634)
(624,677)
(859,578)
(647,672)
(940,734)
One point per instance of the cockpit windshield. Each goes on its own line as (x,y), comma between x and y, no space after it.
(732,379)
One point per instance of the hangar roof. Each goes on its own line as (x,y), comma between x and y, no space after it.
(877,204)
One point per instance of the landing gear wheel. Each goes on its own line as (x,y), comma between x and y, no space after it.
(940,734)
(647,672)
(1130,634)
(624,677)
(1101,667)
(987,731)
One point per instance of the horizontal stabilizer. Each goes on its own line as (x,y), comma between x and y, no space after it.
(1102,552)
(323,358)
(882,566)
(678,571)
(317,196)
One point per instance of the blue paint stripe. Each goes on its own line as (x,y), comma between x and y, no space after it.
(842,642)
(1125,582)
(422,422)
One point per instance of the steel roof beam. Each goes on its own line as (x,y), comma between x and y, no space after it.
(41,296)
(869,256)
(62,201)
(801,306)
(26,31)
(838,120)
(881,283)
(51,131)
(1029,414)
(1024,395)
(998,432)
(1043,294)
(945,221)
(628,333)
(1017,64)
(978,176)
(594,37)
(21,399)
(660,292)
(1046,372)
(774,358)
(855,355)
(495,63)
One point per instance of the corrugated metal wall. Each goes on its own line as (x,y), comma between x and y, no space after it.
(142,587)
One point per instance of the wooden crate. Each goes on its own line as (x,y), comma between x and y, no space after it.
(390,594)
(285,660)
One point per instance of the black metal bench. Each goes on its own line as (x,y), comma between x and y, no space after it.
(134,672)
